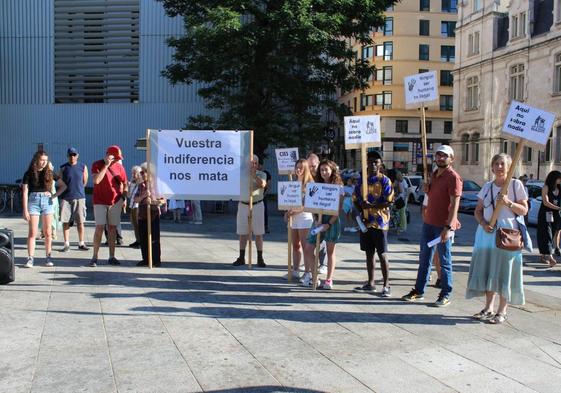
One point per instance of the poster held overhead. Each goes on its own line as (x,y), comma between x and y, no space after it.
(421,89)
(286,159)
(529,124)
(362,130)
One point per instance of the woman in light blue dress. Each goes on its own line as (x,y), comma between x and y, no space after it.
(494,270)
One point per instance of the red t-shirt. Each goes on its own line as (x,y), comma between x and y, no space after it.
(442,187)
(109,190)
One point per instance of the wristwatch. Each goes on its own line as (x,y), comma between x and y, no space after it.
(510,205)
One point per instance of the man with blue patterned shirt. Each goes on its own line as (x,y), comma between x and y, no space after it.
(376,216)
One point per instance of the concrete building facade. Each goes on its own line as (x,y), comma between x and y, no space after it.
(85,73)
(418,36)
(507,50)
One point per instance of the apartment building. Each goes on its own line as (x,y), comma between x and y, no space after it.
(418,36)
(506,50)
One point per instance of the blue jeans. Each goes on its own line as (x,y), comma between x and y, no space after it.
(430,232)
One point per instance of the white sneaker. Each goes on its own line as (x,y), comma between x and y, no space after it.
(306,279)
(295,276)
(322,269)
(29,263)
(49,262)
(386,292)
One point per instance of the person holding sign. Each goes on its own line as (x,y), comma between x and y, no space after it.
(258,184)
(496,270)
(440,220)
(301,220)
(376,208)
(329,227)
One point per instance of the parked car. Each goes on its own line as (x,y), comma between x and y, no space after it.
(414,189)
(468,200)
(534,200)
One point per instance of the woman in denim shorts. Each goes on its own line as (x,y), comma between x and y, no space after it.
(38,202)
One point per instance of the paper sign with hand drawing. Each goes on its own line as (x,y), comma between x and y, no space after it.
(322,198)
(289,195)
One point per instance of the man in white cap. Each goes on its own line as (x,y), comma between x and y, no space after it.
(440,220)
(258,181)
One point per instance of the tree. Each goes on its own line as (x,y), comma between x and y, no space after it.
(273,66)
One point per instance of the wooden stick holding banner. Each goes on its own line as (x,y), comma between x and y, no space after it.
(362,132)
(250,214)
(421,89)
(530,125)
(286,159)
(148,210)
(322,199)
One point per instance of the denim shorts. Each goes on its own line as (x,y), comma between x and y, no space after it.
(40,204)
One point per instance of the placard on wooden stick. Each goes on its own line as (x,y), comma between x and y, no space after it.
(529,124)
(322,198)
(362,131)
(289,195)
(286,159)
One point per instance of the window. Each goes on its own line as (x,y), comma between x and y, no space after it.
(384,99)
(527,154)
(366,101)
(476,5)
(475,148)
(472,86)
(514,26)
(446,78)
(354,104)
(423,52)
(522,28)
(557,74)
(96,53)
(423,70)
(450,6)
(388,26)
(424,27)
(447,29)
(557,156)
(516,87)
(446,103)
(428,126)
(424,5)
(401,126)
(447,53)
(548,149)
(447,127)
(473,43)
(385,50)
(384,75)
(465,148)
(367,52)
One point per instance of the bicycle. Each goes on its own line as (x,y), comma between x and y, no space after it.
(10,197)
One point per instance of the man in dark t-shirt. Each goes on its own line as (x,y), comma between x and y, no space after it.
(440,221)
(109,199)
(73,200)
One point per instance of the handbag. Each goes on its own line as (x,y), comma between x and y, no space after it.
(399,203)
(505,238)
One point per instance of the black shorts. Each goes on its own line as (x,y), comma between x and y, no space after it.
(374,239)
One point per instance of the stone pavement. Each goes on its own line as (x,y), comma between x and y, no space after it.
(198,324)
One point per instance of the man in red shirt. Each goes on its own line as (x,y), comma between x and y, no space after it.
(440,220)
(109,199)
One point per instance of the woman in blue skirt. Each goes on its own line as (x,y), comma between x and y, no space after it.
(494,270)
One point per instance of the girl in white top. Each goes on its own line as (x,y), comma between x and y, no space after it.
(301,220)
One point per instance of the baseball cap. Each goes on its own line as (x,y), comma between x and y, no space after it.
(72,150)
(115,151)
(446,150)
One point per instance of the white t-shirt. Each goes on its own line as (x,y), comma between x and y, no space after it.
(506,218)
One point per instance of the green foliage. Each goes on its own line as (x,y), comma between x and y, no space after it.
(273,66)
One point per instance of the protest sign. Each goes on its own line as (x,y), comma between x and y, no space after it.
(289,195)
(322,198)
(421,88)
(362,131)
(286,159)
(532,124)
(204,165)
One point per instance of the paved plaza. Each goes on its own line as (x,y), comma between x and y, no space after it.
(197,324)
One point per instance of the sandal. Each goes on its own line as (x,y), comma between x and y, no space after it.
(552,262)
(483,315)
(498,319)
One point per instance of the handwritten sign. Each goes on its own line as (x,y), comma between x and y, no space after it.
(362,130)
(532,124)
(289,195)
(421,88)
(322,198)
(286,159)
